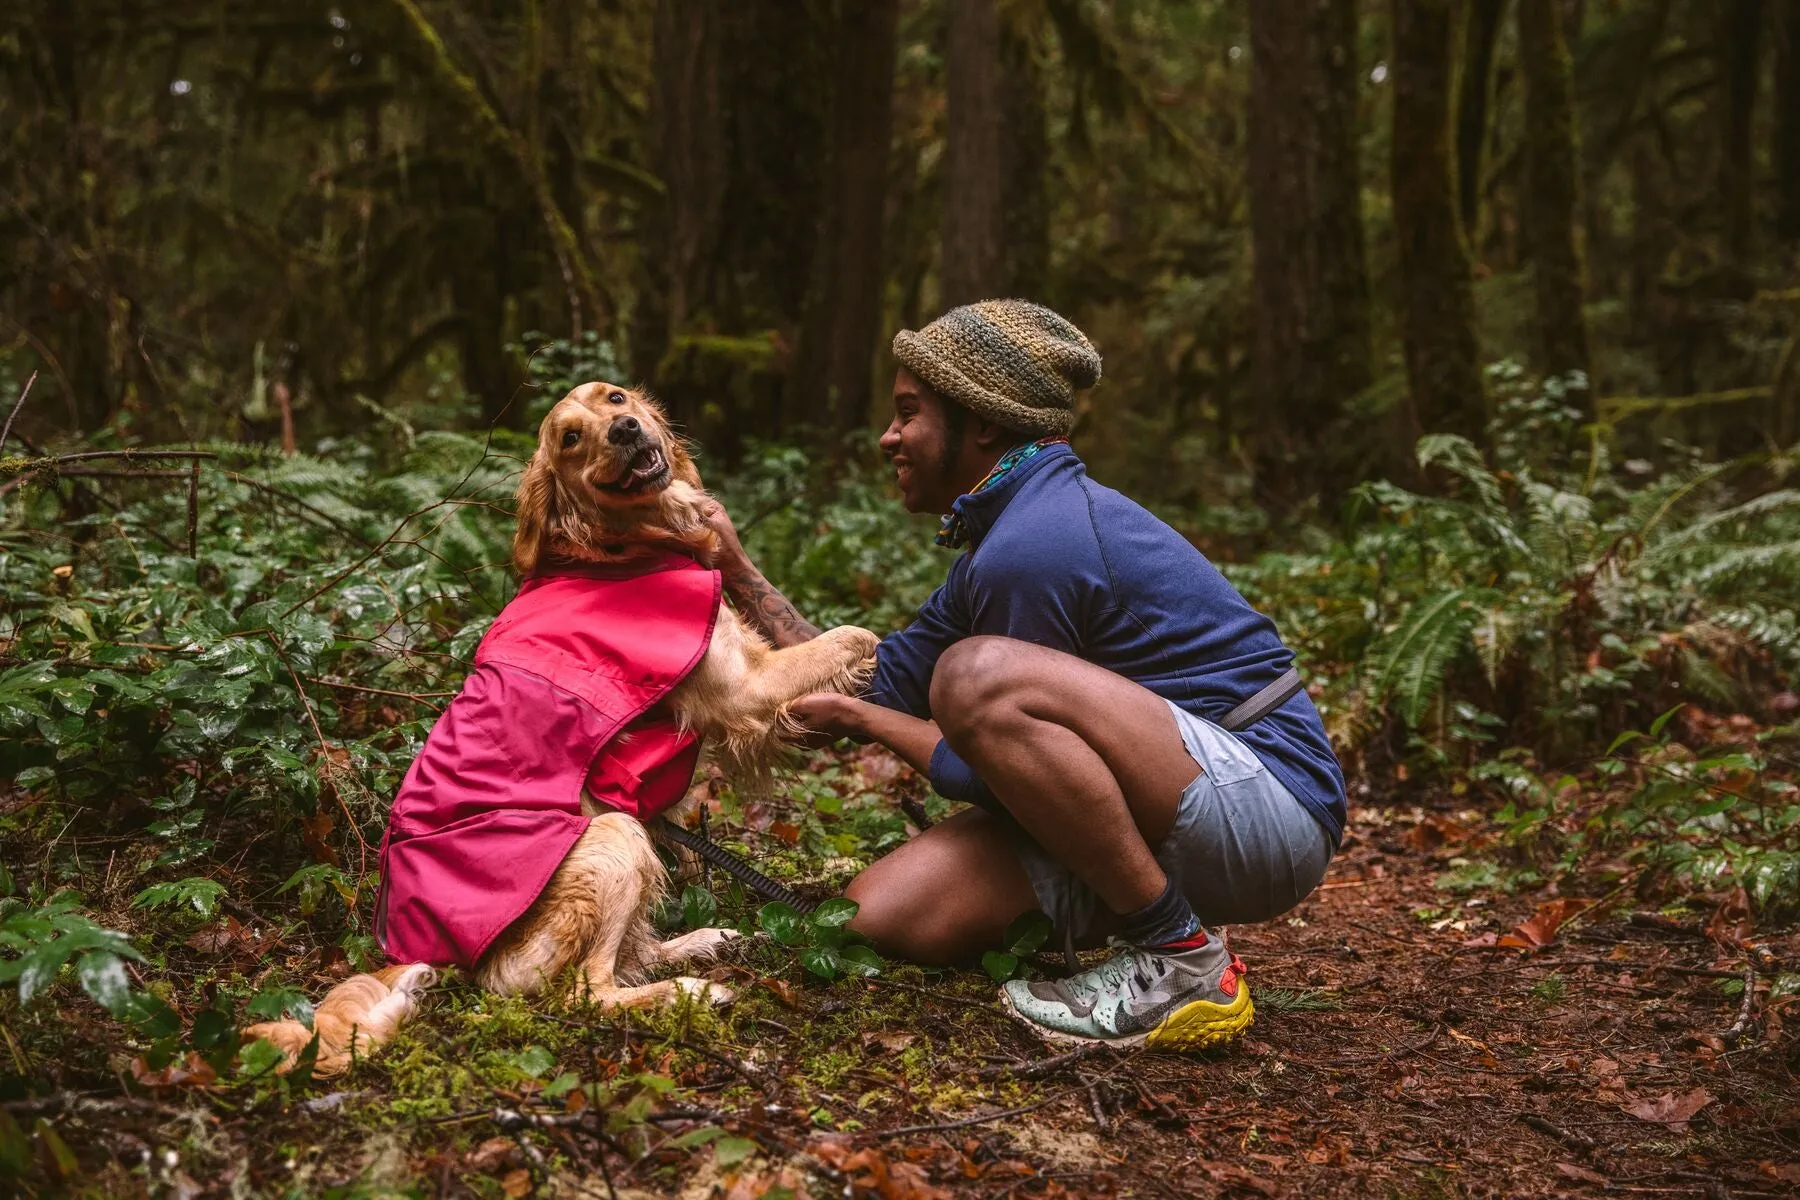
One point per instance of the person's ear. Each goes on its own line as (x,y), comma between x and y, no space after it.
(988,435)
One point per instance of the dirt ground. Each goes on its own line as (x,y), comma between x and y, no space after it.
(1397,1051)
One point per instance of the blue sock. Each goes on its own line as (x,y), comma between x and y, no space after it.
(1166,920)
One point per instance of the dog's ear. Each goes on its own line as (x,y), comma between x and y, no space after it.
(537,498)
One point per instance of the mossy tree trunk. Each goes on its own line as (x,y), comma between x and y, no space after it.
(1437,308)
(1481,33)
(1549,205)
(974,206)
(833,370)
(1310,287)
(1740,62)
(1785,150)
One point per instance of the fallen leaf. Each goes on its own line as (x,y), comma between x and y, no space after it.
(1540,929)
(783,990)
(494,1152)
(1731,924)
(192,1071)
(1671,1110)
(887,1043)
(1571,1171)
(1482,940)
(516,1183)
(789,834)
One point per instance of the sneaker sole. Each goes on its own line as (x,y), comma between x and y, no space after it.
(1194,1026)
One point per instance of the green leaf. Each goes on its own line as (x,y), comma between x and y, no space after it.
(534,1061)
(1027,932)
(861,960)
(835,913)
(213,1028)
(562,1085)
(103,978)
(730,1151)
(259,1058)
(278,1001)
(202,893)
(1656,726)
(698,907)
(999,965)
(30,777)
(822,961)
(782,922)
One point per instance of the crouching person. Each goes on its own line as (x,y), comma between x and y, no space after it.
(1074,680)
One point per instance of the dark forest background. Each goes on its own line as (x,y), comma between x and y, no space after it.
(1296,229)
(1461,333)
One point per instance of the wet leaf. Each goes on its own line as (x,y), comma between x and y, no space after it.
(1540,929)
(1670,1109)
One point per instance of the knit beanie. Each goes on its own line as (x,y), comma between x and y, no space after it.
(1014,362)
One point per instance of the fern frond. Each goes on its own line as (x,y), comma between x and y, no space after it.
(1417,656)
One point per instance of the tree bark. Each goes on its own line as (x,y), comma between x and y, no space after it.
(1437,307)
(587,305)
(1740,55)
(1310,290)
(833,373)
(973,264)
(1549,205)
(1481,33)
(1786,148)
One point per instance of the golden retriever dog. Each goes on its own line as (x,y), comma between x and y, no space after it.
(610,481)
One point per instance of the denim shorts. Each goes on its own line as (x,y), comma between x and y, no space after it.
(1243,849)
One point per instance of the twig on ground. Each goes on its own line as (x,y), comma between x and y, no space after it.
(1568,1137)
(420,697)
(1743,1025)
(1098,1109)
(965,1122)
(193,509)
(25,391)
(1042,1067)
(325,759)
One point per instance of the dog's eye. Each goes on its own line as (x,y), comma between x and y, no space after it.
(617,397)
(571,437)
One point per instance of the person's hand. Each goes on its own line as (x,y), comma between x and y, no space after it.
(719,521)
(828,716)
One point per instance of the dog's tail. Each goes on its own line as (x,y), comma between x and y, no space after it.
(355,1017)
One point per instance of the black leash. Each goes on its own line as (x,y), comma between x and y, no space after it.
(731,864)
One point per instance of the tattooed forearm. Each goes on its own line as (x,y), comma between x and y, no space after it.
(767,609)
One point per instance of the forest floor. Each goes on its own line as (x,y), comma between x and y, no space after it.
(1396,1052)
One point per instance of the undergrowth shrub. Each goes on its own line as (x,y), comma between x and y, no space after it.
(1544,595)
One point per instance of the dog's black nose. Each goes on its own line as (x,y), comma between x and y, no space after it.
(625,429)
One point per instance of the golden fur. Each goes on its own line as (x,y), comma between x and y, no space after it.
(610,482)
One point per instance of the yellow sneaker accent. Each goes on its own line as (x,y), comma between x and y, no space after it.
(1202,1024)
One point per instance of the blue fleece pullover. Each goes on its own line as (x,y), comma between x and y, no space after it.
(1059,560)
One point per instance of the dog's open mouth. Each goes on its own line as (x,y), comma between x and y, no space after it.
(648,468)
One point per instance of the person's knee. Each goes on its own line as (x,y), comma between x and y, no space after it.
(972,683)
(892,917)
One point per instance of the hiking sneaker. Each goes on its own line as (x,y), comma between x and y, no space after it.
(1187,1000)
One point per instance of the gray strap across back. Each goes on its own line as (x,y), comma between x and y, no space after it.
(1264,702)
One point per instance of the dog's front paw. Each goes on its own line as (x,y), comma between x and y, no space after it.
(704,990)
(858,642)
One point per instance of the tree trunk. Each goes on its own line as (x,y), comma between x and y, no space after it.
(1786,149)
(1437,308)
(973,263)
(1310,289)
(1024,159)
(1481,33)
(1740,37)
(833,375)
(1549,204)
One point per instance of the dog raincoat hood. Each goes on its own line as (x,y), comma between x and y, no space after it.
(492,804)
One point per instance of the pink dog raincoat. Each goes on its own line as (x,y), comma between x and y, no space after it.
(561,698)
